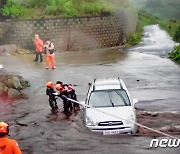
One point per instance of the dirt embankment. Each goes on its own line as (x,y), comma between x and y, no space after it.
(166,122)
(11,85)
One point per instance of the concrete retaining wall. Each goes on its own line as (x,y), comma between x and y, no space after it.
(67,33)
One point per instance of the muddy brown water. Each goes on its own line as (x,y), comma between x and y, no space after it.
(150,77)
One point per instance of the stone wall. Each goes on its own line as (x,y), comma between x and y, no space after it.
(67,33)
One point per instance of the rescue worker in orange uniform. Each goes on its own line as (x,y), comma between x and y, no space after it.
(64,92)
(69,92)
(51,93)
(49,51)
(73,96)
(38,48)
(7,145)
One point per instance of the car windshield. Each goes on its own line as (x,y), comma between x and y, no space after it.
(109,98)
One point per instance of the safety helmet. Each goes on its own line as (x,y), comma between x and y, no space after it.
(49,84)
(58,87)
(4,128)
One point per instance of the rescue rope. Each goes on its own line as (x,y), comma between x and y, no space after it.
(138,124)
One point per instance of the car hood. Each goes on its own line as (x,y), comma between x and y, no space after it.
(112,113)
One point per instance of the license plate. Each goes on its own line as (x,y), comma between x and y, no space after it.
(113,132)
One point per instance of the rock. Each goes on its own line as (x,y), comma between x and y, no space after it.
(9,48)
(13,93)
(11,86)
(13,82)
(1,88)
(21,53)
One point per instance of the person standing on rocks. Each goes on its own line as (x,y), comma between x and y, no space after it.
(7,145)
(38,48)
(49,51)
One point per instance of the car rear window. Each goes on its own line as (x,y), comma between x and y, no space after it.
(109,98)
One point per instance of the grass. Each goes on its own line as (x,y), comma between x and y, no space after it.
(175,54)
(54,8)
(144,19)
(173,28)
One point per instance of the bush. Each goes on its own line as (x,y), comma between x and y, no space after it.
(175,54)
(144,19)
(57,8)
(171,27)
(12,9)
(38,3)
(177,35)
(135,38)
(69,8)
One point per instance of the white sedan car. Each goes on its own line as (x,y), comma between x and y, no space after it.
(109,108)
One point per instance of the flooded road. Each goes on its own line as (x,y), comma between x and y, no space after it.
(152,79)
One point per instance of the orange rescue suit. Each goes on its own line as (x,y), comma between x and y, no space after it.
(9,146)
(39,45)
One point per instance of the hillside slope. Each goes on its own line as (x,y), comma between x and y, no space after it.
(166,9)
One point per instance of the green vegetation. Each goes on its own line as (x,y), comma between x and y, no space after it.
(58,8)
(175,54)
(173,27)
(159,8)
(164,9)
(25,83)
(144,19)
(53,8)
(12,9)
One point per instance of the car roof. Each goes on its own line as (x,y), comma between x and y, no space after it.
(108,83)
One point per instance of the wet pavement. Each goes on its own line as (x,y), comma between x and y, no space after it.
(150,77)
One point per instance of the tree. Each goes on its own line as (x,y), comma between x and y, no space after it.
(2,3)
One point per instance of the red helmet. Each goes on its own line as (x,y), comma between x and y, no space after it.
(49,84)
(58,87)
(4,127)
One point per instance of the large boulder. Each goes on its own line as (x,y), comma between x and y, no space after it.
(1,88)
(9,48)
(13,82)
(11,86)
(13,93)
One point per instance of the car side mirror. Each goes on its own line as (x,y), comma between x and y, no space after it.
(135,101)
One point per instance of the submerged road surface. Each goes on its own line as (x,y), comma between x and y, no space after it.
(152,79)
